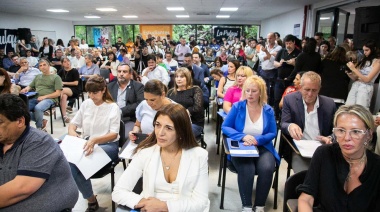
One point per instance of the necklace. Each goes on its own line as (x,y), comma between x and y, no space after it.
(167,166)
(355,165)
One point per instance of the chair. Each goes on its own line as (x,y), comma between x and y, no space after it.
(223,166)
(105,73)
(285,151)
(201,139)
(207,111)
(110,168)
(290,187)
(58,104)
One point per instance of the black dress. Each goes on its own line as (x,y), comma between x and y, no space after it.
(70,76)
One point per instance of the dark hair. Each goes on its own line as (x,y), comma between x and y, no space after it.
(122,50)
(218,59)
(125,64)
(151,57)
(325,42)
(278,34)
(13,107)
(13,56)
(371,44)
(7,81)
(114,56)
(155,87)
(182,125)
(98,83)
(60,42)
(217,71)
(254,39)
(337,55)
(290,38)
(236,64)
(188,55)
(319,34)
(310,46)
(159,55)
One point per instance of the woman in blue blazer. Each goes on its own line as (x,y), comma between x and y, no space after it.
(252,122)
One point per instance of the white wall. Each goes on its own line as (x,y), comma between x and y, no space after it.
(283,24)
(63,29)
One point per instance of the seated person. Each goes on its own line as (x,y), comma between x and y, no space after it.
(174,168)
(229,79)
(5,84)
(252,122)
(89,69)
(49,87)
(293,88)
(190,97)
(38,177)
(344,176)
(307,116)
(111,65)
(15,66)
(25,74)
(127,93)
(32,60)
(154,71)
(70,80)
(234,92)
(99,118)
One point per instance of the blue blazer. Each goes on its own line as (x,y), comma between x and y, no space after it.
(233,126)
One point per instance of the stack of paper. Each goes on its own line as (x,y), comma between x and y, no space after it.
(307,147)
(72,148)
(127,153)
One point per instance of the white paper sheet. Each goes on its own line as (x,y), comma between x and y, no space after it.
(127,153)
(72,148)
(307,147)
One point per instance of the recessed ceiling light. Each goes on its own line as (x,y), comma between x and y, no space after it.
(106,9)
(222,16)
(324,18)
(228,9)
(182,16)
(175,8)
(130,16)
(57,10)
(91,16)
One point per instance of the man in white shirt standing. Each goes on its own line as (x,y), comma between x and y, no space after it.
(268,72)
(154,71)
(181,49)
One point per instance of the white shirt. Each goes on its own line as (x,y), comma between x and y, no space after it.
(269,63)
(32,61)
(77,63)
(83,46)
(158,73)
(311,129)
(171,63)
(253,128)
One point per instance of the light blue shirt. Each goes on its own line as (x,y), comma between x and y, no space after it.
(94,69)
(25,78)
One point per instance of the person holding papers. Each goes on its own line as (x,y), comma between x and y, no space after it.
(345,175)
(174,168)
(307,116)
(99,117)
(251,121)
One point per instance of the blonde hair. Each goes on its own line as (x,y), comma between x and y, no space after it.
(189,80)
(361,112)
(260,84)
(247,71)
(314,77)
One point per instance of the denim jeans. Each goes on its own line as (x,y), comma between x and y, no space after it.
(246,168)
(85,186)
(197,130)
(36,110)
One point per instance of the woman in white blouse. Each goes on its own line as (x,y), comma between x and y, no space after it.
(99,118)
(111,64)
(174,168)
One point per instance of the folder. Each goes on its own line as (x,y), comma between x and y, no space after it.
(72,148)
(307,147)
(242,151)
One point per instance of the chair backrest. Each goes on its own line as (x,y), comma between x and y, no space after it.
(121,134)
(375,101)
(105,73)
(290,186)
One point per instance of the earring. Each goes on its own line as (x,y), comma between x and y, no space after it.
(365,143)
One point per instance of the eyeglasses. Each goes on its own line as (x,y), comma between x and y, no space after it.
(241,75)
(354,134)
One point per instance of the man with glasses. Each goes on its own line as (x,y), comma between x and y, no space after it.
(307,116)
(25,74)
(127,93)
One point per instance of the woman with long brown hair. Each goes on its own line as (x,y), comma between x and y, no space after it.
(174,168)
(99,117)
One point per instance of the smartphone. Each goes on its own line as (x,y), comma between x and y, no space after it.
(234,144)
(140,137)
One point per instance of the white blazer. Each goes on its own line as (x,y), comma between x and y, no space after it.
(192,177)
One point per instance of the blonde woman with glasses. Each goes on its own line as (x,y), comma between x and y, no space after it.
(345,175)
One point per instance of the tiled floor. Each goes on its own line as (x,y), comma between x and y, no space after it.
(102,187)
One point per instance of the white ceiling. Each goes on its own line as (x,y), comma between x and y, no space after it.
(154,11)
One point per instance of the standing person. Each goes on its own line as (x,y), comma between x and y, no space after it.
(352,172)
(22,48)
(190,97)
(364,74)
(173,166)
(119,43)
(251,53)
(83,45)
(70,81)
(37,176)
(181,49)
(251,122)
(98,108)
(49,87)
(33,46)
(46,50)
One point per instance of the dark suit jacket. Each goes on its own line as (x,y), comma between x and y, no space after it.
(198,73)
(293,111)
(135,95)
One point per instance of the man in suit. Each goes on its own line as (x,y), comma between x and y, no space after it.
(198,71)
(127,93)
(307,116)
